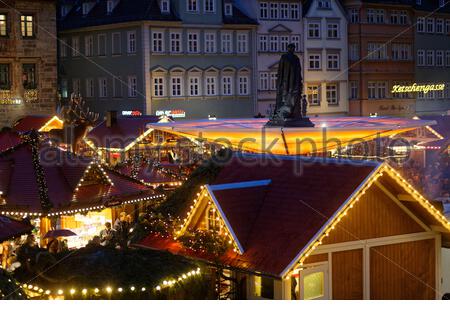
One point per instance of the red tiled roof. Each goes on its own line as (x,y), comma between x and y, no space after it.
(29,123)
(8,139)
(275,222)
(442,125)
(62,172)
(123,132)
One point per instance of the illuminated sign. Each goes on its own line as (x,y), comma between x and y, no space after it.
(425,88)
(178,113)
(131,113)
(7,98)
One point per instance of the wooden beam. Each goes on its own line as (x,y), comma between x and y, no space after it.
(440,229)
(406,197)
(402,206)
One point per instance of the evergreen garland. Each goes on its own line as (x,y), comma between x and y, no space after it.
(33,140)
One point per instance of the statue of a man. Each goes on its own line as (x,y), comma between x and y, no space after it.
(289,86)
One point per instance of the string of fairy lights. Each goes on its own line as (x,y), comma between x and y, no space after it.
(73,292)
(77,211)
(384,168)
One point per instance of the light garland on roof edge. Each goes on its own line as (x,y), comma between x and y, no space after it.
(379,173)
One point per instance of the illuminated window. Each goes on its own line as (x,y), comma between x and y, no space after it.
(27,26)
(5,81)
(213,220)
(313,92)
(263,287)
(314,286)
(3,25)
(29,76)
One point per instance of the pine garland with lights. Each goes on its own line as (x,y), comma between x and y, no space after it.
(135,165)
(33,139)
(205,241)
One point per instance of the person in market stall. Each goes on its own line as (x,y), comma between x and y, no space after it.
(26,253)
(107,235)
(122,227)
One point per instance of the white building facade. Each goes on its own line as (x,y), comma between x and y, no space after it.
(325,57)
(280,23)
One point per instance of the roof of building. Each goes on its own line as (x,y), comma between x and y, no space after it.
(32,122)
(61,186)
(123,131)
(276,209)
(442,125)
(8,139)
(149,174)
(130,11)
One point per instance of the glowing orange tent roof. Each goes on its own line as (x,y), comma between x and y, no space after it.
(328,133)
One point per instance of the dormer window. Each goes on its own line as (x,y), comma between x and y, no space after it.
(64,11)
(228,9)
(165,6)
(324,4)
(442,3)
(87,6)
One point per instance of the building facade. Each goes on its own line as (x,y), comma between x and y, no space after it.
(432,49)
(380,45)
(280,23)
(28,65)
(326,57)
(188,58)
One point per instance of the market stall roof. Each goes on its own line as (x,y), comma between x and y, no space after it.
(60,182)
(251,135)
(123,132)
(8,139)
(11,228)
(149,174)
(38,123)
(275,213)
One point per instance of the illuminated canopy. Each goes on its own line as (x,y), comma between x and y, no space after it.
(328,134)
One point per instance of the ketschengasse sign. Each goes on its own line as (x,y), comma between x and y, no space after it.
(425,88)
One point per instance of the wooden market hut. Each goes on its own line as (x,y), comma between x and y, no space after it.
(57,189)
(117,138)
(41,123)
(324,229)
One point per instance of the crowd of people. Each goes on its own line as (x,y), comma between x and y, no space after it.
(432,180)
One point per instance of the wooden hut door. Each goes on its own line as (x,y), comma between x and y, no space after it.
(314,283)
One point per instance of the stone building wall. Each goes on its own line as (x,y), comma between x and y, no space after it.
(40,50)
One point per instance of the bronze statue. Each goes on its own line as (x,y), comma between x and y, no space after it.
(290,108)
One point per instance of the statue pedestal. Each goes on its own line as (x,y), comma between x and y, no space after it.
(290,123)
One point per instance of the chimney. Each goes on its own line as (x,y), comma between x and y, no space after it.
(111,118)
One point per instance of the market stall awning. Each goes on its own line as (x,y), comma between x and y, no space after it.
(42,123)
(10,228)
(49,181)
(328,134)
(8,139)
